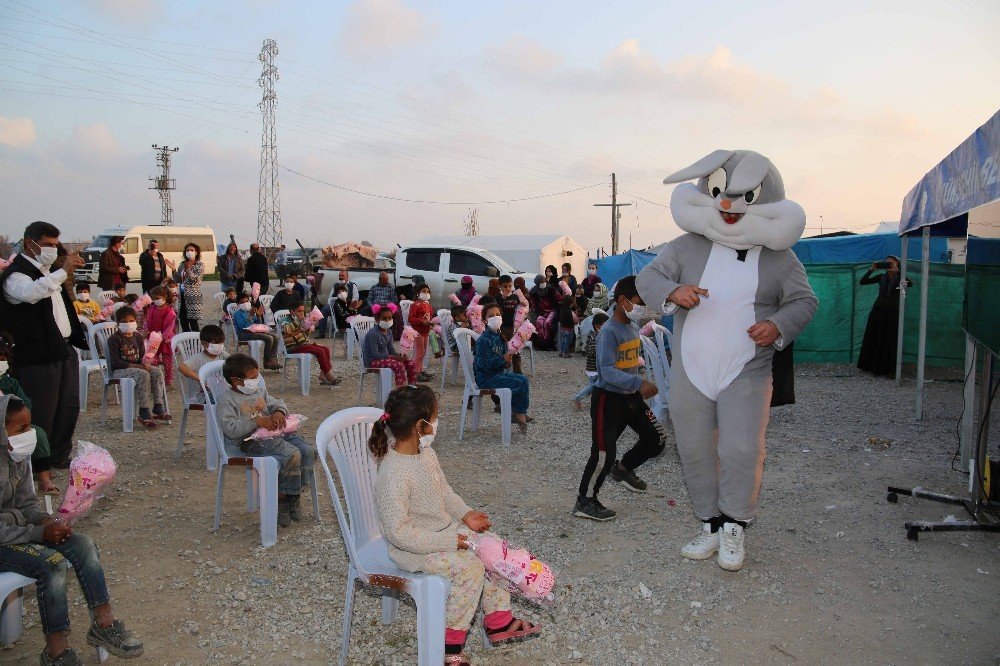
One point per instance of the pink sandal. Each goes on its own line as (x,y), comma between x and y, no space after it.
(518,630)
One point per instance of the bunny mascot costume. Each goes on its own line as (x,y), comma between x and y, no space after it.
(739,293)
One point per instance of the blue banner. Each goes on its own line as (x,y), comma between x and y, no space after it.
(966,178)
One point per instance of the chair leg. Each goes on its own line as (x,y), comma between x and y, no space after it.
(104,405)
(180,436)
(218,498)
(11,609)
(531,358)
(345,642)
(477,407)
(305,373)
(128,403)
(431,600)
(361,386)
(506,414)
(390,606)
(253,488)
(84,388)
(267,483)
(315,494)
(461,416)
(385,380)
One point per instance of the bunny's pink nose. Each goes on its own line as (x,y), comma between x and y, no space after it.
(726,204)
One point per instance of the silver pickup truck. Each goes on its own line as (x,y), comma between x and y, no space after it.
(441,266)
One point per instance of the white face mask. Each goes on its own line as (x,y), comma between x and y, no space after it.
(637,313)
(424,296)
(427,440)
(565,272)
(250,386)
(245,306)
(289,286)
(128,327)
(592,271)
(158,302)
(494,323)
(23,445)
(215,348)
(543,286)
(190,254)
(4,367)
(83,296)
(46,256)
(385,325)
(342,296)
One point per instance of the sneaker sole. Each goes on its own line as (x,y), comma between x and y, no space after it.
(121,654)
(698,557)
(628,486)
(581,514)
(735,566)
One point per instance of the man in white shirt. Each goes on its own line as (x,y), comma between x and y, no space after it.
(37,313)
(281,262)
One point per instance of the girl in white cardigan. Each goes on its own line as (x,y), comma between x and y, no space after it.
(427,524)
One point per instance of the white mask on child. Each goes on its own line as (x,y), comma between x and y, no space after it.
(250,386)
(494,322)
(637,313)
(384,325)
(4,366)
(245,306)
(216,348)
(424,296)
(83,296)
(342,296)
(289,286)
(128,327)
(427,440)
(592,271)
(543,286)
(158,302)
(23,445)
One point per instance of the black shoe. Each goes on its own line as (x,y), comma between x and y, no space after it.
(592,510)
(295,507)
(116,639)
(67,657)
(284,513)
(628,477)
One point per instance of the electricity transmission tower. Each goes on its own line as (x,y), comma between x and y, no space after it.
(164,183)
(615,213)
(471,223)
(269,202)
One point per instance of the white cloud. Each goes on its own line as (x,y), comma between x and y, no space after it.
(17,132)
(136,12)
(376,28)
(95,139)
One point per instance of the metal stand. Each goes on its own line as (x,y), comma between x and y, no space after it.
(978,506)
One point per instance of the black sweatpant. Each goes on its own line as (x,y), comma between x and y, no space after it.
(54,389)
(610,414)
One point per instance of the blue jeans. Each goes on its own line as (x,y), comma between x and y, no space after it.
(48,565)
(518,385)
(565,341)
(294,456)
(586,390)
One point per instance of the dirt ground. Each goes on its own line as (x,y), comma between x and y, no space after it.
(829,577)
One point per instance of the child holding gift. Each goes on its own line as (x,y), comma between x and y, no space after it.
(420,320)
(492,360)
(161,318)
(378,351)
(245,316)
(297,342)
(34,545)
(213,348)
(126,352)
(247,406)
(84,306)
(426,524)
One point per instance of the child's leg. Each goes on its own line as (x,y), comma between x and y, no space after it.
(166,358)
(641,419)
(518,385)
(606,427)
(307,457)
(411,370)
(158,389)
(48,568)
(467,576)
(419,350)
(399,375)
(289,461)
(143,395)
(83,555)
(321,353)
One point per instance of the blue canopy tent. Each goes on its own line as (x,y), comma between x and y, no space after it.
(616,266)
(861,248)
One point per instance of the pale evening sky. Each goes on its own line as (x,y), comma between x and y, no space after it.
(474,101)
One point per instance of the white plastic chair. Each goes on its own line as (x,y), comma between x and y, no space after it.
(90,361)
(107,295)
(360,326)
(658,403)
(404,309)
(464,337)
(449,360)
(185,346)
(530,348)
(261,471)
(303,360)
(344,437)
(220,297)
(100,335)
(12,605)
(265,300)
(256,347)
(384,385)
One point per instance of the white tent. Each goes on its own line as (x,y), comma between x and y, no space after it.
(530,254)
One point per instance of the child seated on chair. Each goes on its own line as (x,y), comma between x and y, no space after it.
(297,342)
(213,348)
(247,315)
(459,319)
(378,351)
(426,525)
(491,366)
(248,406)
(126,350)
(120,293)
(34,545)
(84,306)
(229,300)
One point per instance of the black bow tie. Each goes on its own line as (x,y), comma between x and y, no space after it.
(741,255)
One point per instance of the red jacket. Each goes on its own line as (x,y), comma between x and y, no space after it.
(418,311)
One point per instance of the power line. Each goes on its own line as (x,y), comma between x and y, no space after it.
(636,196)
(441,203)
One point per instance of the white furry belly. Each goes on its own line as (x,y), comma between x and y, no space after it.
(716,345)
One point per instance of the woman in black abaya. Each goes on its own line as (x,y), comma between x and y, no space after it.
(878,349)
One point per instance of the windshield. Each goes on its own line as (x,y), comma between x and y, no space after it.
(499,263)
(101,242)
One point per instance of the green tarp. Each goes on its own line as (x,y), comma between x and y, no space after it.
(835,333)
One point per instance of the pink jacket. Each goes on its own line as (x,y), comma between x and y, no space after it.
(163,320)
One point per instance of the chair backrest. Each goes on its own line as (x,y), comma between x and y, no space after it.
(359,329)
(212,384)
(87,327)
(99,335)
(114,308)
(344,438)
(231,308)
(465,337)
(220,296)
(445,316)
(404,309)
(664,339)
(265,300)
(185,346)
(107,295)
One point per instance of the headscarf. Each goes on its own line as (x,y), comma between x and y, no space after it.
(600,298)
(494,288)
(467,292)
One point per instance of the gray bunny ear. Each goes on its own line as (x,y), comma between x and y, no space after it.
(748,174)
(701,168)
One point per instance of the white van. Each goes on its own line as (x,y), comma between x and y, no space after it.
(442,267)
(171,240)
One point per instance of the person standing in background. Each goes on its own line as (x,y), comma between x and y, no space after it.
(281,262)
(153,266)
(231,267)
(256,269)
(878,348)
(189,276)
(112,270)
(568,277)
(591,280)
(38,314)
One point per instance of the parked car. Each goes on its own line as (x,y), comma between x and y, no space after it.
(171,239)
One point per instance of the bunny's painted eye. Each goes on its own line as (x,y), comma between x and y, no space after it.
(717,182)
(753,195)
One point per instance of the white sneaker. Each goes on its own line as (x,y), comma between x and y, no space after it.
(731,547)
(702,546)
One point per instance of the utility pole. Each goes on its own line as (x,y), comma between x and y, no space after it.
(163,183)
(471,223)
(615,214)
(269,233)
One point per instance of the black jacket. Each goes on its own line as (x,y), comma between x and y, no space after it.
(256,271)
(148,266)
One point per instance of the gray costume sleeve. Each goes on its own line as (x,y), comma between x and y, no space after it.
(659,279)
(797,304)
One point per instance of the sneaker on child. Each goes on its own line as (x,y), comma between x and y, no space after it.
(702,546)
(632,482)
(592,509)
(731,551)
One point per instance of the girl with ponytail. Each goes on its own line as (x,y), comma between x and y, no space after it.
(426,524)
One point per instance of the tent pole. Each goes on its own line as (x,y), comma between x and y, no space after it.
(902,310)
(969,400)
(925,270)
